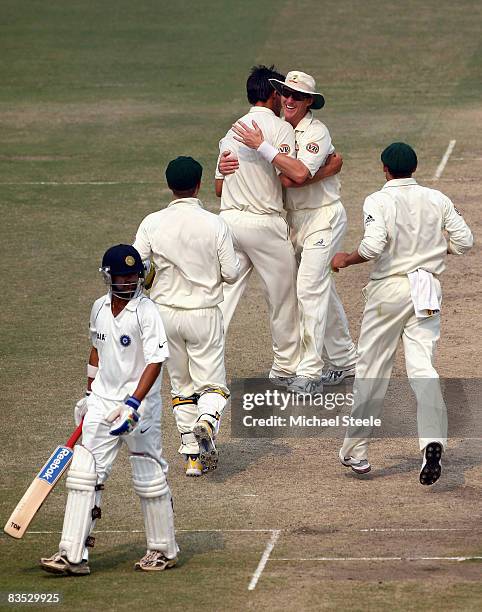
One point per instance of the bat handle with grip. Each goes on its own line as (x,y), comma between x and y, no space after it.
(75,435)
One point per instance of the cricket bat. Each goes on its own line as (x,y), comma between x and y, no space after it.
(41,487)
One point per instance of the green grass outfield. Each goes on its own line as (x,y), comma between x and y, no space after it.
(95,99)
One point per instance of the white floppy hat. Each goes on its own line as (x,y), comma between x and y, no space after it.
(302,82)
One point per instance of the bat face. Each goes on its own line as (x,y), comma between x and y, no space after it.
(38,491)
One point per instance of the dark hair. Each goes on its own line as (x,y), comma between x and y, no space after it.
(400,175)
(185,193)
(258,87)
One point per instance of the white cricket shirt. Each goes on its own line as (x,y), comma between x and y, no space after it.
(255,186)
(126,344)
(313,145)
(404,229)
(192,251)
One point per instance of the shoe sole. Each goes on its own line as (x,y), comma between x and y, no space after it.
(61,571)
(193,473)
(208,453)
(169,565)
(432,469)
(364,470)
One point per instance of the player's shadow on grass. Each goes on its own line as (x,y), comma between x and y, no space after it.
(454,464)
(237,455)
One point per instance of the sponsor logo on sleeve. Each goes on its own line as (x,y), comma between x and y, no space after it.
(284,148)
(56,465)
(457,211)
(369,219)
(312,147)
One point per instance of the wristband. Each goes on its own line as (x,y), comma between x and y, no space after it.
(91,370)
(267,151)
(133,402)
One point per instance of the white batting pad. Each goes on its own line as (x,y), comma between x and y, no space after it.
(186,416)
(151,485)
(210,407)
(81,481)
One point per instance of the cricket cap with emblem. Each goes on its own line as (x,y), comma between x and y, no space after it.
(183,173)
(400,158)
(302,82)
(122,260)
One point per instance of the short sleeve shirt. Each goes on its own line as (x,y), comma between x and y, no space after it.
(126,344)
(255,186)
(313,145)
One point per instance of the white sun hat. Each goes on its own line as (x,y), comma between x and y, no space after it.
(302,82)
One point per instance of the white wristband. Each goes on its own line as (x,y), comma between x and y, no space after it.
(267,151)
(91,370)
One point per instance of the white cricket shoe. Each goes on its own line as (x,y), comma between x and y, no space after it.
(154,561)
(208,453)
(432,463)
(60,565)
(303,385)
(280,381)
(334,377)
(360,466)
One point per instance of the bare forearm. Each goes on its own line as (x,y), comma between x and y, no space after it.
(93,361)
(148,378)
(291,168)
(332,166)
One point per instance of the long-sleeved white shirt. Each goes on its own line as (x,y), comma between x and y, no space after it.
(255,186)
(192,251)
(404,229)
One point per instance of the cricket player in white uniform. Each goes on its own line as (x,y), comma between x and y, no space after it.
(252,205)
(193,254)
(404,234)
(318,222)
(123,404)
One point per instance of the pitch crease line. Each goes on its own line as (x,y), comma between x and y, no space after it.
(444,160)
(70,183)
(177,531)
(470,558)
(264,559)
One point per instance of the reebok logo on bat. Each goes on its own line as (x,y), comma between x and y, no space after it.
(54,467)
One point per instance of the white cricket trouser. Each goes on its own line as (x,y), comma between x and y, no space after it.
(262,243)
(195,365)
(389,314)
(144,440)
(317,234)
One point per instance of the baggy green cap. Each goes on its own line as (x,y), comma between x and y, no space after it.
(400,158)
(183,173)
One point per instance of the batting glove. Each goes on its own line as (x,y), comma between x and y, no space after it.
(80,409)
(125,417)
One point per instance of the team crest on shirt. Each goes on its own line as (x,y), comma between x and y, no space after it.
(284,148)
(312,147)
(125,340)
